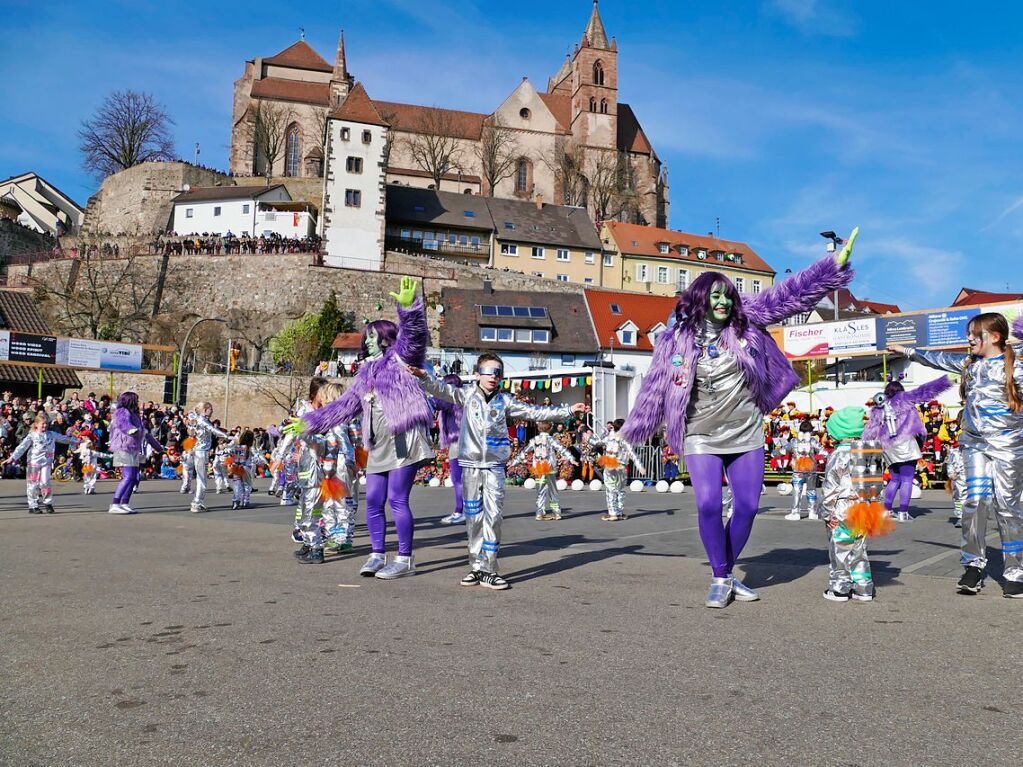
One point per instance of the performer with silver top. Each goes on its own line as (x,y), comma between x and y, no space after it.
(614,462)
(803,451)
(544,451)
(199,423)
(40,444)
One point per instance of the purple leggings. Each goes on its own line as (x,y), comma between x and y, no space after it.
(456,480)
(902,479)
(390,486)
(129,481)
(745,471)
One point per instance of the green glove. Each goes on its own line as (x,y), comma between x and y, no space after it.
(294,428)
(843,255)
(406,294)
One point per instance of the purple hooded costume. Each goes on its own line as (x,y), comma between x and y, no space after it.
(127,434)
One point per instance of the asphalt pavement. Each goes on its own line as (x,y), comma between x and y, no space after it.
(170,638)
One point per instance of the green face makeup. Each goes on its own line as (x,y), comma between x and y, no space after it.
(372,344)
(720,303)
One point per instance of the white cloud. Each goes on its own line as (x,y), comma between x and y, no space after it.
(817,17)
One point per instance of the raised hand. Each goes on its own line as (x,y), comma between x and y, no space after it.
(897,349)
(843,255)
(406,294)
(294,427)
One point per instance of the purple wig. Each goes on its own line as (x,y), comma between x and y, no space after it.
(453,378)
(892,388)
(387,334)
(691,310)
(128,400)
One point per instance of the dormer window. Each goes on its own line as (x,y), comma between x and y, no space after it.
(663,247)
(683,250)
(627,334)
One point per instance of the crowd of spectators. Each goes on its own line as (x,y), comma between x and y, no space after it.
(228,244)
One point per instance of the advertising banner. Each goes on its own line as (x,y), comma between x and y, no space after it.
(853,335)
(948,328)
(105,355)
(904,329)
(806,340)
(29,347)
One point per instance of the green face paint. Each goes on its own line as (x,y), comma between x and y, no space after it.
(720,303)
(372,344)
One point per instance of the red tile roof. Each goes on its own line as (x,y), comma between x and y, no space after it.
(358,107)
(647,239)
(416,119)
(292,90)
(643,309)
(347,341)
(972,297)
(561,107)
(631,137)
(300,56)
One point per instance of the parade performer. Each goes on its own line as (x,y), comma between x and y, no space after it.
(484,448)
(450,424)
(302,475)
(845,476)
(545,452)
(244,459)
(89,457)
(955,472)
(395,423)
(803,451)
(127,436)
(992,442)
(617,453)
(220,478)
(895,423)
(199,423)
(40,444)
(187,463)
(714,376)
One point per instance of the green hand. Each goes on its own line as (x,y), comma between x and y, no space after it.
(406,294)
(843,255)
(294,428)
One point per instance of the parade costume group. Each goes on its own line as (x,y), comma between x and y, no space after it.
(716,373)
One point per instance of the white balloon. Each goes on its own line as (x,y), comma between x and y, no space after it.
(529,484)
(435,482)
(596,485)
(578,484)
(362,480)
(784,488)
(636,486)
(661,487)
(448,482)
(677,486)
(561,484)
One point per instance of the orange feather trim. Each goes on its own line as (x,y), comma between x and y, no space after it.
(188,443)
(361,457)
(542,469)
(608,462)
(869,520)
(237,471)
(333,489)
(804,464)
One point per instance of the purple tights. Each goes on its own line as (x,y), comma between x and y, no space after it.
(745,472)
(392,486)
(902,479)
(127,485)
(456,480)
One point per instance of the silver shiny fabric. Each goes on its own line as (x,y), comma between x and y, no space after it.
(721,416)
(955,468)
(389,451)
(337,456)
(742,592)
(40,447)
(903,451)
(850,565)
(544,448)
(187,471)
(720,593)
(614,479)
(90,457)
(804,483)
(482,503)
(220,479)
(992,443)
(204,432)
(243,458)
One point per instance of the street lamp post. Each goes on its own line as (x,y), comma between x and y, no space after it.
(184,348)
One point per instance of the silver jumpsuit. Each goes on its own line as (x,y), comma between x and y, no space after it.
(614,479)
(220,480)
(204,433)
(89,457)
(244,460)
(850,566)
(40,446)
(955,469)
(336,455)
(187,471)
(483,451)
(804,482)
(992,444)
(545,449)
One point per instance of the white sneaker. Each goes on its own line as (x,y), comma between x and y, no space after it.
(453,519)
(813,515)
(128,509)
(793,516)
(118,508)
(197,508)
(398,568)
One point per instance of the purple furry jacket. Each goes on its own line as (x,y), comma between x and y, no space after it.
(401,397)
(450,420)
(121,423)
(664,394)
(1017,327)
(907,418)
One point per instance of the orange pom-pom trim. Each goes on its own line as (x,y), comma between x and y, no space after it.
(541,469)
(229,461)
(361,457)
(608,462)
(869,520)
(804,464)
(188,443)
(237,471)
(333,489)
(88,468)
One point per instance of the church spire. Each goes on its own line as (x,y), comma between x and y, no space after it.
(595,36)
(340,81)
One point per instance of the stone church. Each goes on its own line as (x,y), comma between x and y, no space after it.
(573,144)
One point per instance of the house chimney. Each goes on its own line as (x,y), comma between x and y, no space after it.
(488,287)
(539,202)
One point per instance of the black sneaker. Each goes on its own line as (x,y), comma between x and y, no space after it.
(312,557)
(472,579)
(494,581)
(34,510)
(49,508)
(301,552)
(1012,590)
(972,580)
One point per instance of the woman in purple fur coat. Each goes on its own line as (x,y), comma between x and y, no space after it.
(396,420)
(450,425)
(714,376)
(126,436)
(896,424)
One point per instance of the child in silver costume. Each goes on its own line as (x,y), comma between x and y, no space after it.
(615,461)
(187,468)
(545,452)
(199,424)
(40,444)
(89,456)
(850,574)
(483,451)
(803,450)
(336,455)
(220,479)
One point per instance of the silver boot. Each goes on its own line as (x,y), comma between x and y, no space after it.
(903,516)
(398,568)
(721,592)
(373,564)
(742,592)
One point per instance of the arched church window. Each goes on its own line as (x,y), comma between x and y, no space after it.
(292,151)
(598,73)
(593,103)
(603,106)
(522,175)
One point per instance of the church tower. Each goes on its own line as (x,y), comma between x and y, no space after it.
(340,80)
(595,87)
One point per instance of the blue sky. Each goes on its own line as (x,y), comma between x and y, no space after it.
(780,117)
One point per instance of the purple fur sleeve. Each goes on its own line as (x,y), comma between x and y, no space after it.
(648,412)
(799,293)
(413,334)
(925,392)
(1017,327)
(872,430)
(342,410)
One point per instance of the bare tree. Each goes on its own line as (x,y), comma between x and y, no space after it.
(567,162)
(433,147)
(272,121)
(611,193)
(128,128)
(497,153)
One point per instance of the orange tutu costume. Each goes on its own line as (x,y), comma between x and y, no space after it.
(541,469)
(869,520)
(333,489)
(188,443)
(608,462)
(804,464)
